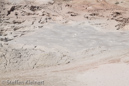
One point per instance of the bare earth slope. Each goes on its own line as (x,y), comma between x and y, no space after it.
(64,43)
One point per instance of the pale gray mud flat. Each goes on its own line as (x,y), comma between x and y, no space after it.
(68,55)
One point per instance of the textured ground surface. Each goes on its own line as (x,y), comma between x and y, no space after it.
(64,43)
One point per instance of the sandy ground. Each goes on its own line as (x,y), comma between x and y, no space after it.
(64,43)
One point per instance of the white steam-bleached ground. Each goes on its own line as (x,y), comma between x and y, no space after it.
(70,55)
